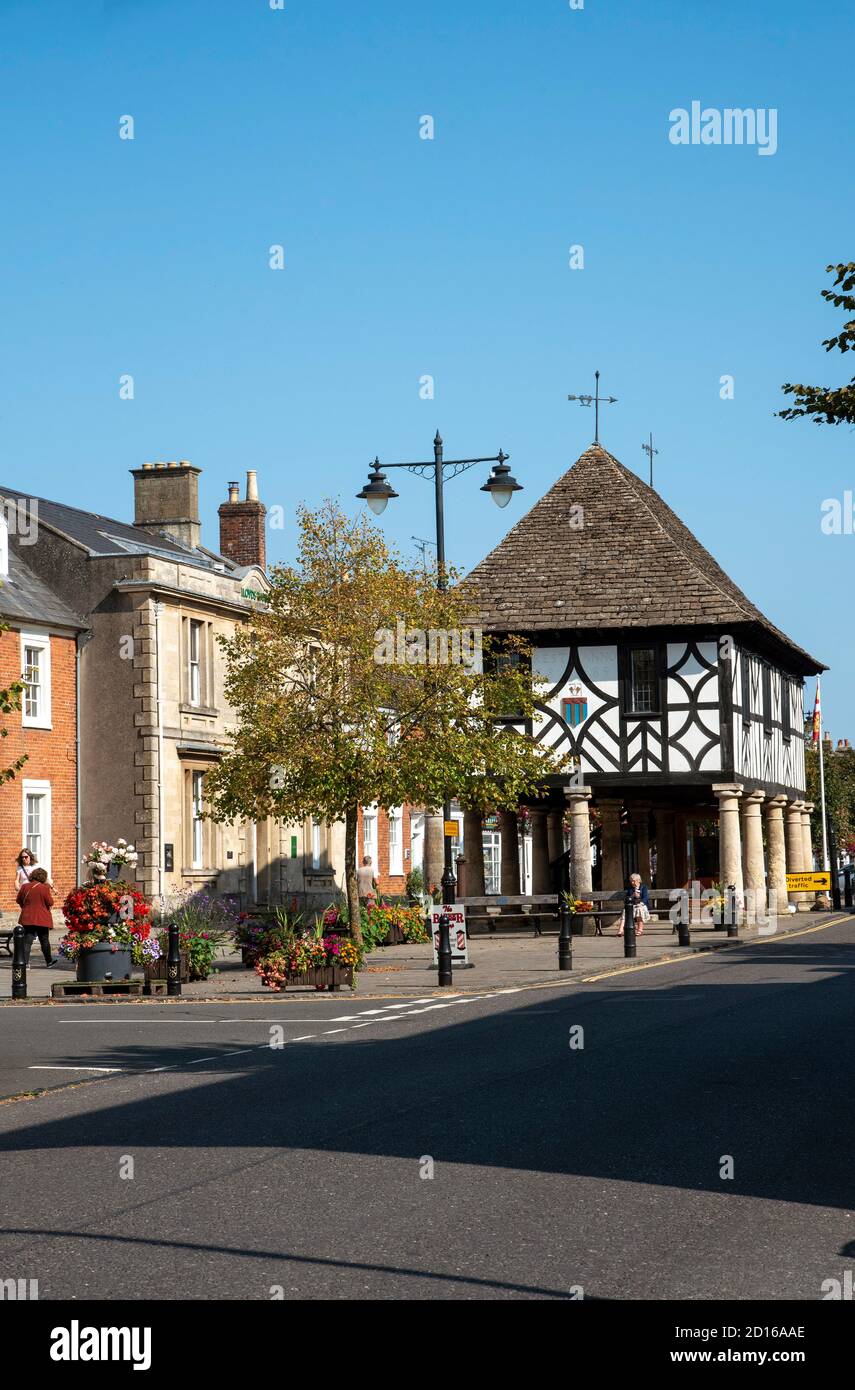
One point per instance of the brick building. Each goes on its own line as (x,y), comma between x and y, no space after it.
(386,836)
(39,806)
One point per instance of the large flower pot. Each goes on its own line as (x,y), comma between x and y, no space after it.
(100,962)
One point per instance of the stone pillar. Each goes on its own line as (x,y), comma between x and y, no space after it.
(795,842)
(555,833)
(541,879)
(509,831)
(640,811)
(434,850)
(666,873)
(754,866)
(473,845)
(729,837)
(777,856)
(681,860)
(610,844)
(580,841)
(806,815)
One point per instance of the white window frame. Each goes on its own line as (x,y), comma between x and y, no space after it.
(40,641)
(369,841)
(316,843)
(4,547)
(396,842)
(194,667)
(40,787)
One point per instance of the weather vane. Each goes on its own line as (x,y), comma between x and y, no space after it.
(596,398)
(650,451)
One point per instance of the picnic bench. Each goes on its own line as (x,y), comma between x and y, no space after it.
(500,912)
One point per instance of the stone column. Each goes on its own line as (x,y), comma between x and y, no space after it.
(640,812)
(610,844)
(580,841)
(729,837)
(806,815)
(541,880)
(434,850)
(555,833)
(509,831)
(473,845)
(777,856)
(755,870)
(666,875)
(795,842)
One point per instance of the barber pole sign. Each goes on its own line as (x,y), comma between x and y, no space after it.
(456,932)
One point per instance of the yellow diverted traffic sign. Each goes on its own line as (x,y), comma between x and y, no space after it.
(808,883)
(451,828)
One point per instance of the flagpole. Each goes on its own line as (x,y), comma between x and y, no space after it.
(826,864)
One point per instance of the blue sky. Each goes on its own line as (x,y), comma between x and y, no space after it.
(406,257)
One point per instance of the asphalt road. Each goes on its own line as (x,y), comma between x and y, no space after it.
(556,1168)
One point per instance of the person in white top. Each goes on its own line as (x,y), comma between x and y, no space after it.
(26,862)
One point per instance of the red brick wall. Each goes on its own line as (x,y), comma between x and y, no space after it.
(386,882)
(242,532)
(51,757)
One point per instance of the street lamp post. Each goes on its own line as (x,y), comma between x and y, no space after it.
(501,486)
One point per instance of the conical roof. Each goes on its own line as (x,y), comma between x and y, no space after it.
(602,550)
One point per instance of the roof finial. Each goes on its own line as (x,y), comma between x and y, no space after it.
(596,398)
(650,451)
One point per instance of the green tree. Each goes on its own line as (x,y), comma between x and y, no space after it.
(830,405)
(839,792)
(346,691)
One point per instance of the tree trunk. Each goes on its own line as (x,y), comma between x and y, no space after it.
(351,886)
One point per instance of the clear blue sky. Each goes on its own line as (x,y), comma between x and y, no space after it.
(407,257)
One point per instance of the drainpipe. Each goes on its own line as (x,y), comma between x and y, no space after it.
(158,613)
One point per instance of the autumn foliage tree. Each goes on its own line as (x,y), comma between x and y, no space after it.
(360,682)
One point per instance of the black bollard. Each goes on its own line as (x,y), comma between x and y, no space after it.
(683,934)
(444,951)
(732,922)
(847,887)
(173,962)
(628,929)
(19,964)
(565,938)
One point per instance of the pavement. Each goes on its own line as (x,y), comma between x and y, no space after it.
(497,962)
(678,1129)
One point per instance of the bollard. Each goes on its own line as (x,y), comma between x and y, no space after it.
(565,938)
(683,934)
(173,962)
(847,887)
(732,920)
(628,930)
(444,951)
(19,965)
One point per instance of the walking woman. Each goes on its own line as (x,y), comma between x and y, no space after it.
(636,894)
(35,901)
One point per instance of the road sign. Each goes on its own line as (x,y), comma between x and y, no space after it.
(456,932)
(450,828)
(808,883)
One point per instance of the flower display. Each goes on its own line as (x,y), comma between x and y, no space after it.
(101,855)
(106,912)
(292,959)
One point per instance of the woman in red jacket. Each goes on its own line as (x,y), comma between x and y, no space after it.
(35,901)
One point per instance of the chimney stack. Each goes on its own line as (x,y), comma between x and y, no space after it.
(166,500)
(242,525)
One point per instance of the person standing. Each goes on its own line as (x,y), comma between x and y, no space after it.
(26,862)
(35,901)
(365,880)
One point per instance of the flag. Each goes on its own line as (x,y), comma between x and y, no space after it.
(817,719)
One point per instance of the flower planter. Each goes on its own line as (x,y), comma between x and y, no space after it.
(331,977)
(157,970)
(100,962)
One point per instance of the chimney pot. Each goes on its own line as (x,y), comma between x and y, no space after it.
(251,485)
(234,492)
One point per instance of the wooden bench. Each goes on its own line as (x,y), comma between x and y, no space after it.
(6,942)
(490,913)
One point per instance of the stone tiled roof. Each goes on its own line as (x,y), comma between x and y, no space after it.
(625,561)
(24,597)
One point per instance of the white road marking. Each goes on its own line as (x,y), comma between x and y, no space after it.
(327,1031)
(64,1068)
(305,1037)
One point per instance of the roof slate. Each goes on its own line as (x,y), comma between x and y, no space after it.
(102,535)
(23,596)
(627,562)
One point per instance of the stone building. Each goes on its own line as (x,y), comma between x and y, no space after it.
(681,704)
(153,713)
